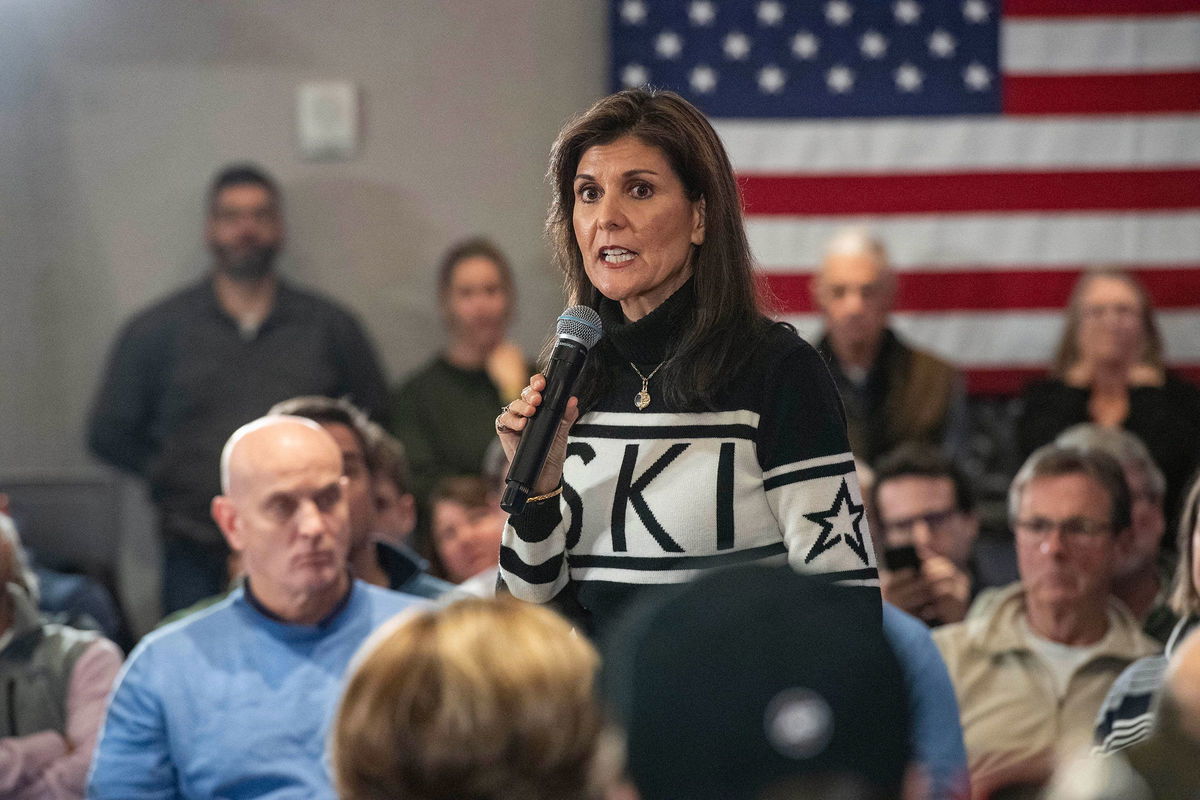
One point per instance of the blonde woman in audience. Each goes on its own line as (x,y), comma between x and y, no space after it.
(443,412)
(1109,370)
(482,699)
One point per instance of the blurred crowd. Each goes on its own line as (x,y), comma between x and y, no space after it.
(303,505)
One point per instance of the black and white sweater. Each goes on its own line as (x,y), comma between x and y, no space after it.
(654,497)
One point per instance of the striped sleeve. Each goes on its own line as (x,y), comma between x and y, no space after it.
(809,476)
(533,552)
(1128,713)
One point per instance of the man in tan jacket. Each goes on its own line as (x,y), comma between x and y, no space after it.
(1031,671)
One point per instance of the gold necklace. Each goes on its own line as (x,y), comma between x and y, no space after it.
(642,398)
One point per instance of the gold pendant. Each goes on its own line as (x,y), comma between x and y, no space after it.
(641,399)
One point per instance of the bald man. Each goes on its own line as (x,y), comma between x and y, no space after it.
(892,392)
(234,702)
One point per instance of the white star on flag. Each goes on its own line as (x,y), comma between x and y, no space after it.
(976,11)
(736,46)
(771,79)
(909,78)
(977,77)
(873,44)
(668,44)
(838,12)
(941,44)
(770,12)
(805,46)
(907,12)
(703,79)
(840,79)
(634,75)
(633,12)
(701,13)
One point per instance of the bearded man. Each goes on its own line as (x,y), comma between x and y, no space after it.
(190,369)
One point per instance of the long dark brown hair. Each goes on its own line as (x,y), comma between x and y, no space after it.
(727,320)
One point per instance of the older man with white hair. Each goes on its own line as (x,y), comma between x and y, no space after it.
(892,391)
(235,701)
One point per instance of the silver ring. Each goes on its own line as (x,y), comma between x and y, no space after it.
(500,426)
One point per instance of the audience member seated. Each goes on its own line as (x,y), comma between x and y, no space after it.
(481,699)
(445,412)
(371,559)
(1168,760)
(56,680)
(756,682)
(923,505)
(1163,766)
(236,701)
(395,505)
(1031,673)
(1109,370)
(1141,581)
(79,601)
(467,525)
(892,391)
(1129,711)
(938,747)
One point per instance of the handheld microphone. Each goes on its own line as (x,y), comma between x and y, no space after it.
(578,330)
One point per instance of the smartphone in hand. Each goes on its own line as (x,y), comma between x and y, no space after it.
(902,557)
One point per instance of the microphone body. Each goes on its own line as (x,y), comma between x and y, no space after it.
(578,330)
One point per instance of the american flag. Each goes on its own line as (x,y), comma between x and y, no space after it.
(997,148)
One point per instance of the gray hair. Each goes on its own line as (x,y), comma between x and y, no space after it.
(856,240)
(1122,445)
(1053,460)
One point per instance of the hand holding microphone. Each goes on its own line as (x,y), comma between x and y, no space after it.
(533,428)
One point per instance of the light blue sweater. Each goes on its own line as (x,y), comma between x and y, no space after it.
(229,703)
(937,732)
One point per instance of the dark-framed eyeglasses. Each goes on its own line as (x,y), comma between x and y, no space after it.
(1073,529)
(935,521)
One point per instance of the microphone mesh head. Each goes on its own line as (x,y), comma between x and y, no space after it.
(581,324)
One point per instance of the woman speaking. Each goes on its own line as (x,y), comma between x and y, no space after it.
(704,434)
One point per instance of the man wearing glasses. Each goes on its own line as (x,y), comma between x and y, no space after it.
(1031,671)
(923,505)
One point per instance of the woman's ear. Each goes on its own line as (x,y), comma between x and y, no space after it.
(698,213)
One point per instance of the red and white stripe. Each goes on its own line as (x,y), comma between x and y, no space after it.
(989,220)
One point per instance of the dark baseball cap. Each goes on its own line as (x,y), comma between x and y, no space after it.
(754,678)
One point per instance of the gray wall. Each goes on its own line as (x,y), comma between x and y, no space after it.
(113,115)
